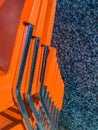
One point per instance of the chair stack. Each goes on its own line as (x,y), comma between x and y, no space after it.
(31,87)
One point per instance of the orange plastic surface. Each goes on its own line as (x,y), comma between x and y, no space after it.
(11,119)
(38,30)
(48,24)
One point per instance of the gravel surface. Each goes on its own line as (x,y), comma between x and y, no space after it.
(76,39)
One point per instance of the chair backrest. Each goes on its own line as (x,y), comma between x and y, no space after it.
(10,12)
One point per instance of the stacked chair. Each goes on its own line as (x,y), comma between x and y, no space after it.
(31,87)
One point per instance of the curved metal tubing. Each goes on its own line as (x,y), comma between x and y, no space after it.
(21,72)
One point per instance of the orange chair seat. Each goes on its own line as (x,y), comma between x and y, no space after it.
(8,27)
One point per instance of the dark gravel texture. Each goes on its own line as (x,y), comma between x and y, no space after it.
(76,39)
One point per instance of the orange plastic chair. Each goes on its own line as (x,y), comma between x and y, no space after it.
(8,32)
(25,68)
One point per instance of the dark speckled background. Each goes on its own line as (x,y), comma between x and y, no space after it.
(76,39)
